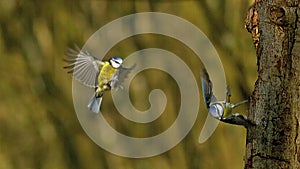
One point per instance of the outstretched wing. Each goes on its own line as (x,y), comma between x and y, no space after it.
(118,78)
(206,87)
(238,120)
(85,67)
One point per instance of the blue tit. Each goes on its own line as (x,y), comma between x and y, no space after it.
(221,110)
(97,74)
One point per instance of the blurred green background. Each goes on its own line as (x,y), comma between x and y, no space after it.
(38,124)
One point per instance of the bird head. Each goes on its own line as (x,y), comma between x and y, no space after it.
(116,62)
(216,110)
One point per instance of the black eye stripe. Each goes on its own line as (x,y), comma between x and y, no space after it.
(113,60)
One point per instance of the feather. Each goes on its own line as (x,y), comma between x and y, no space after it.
(85,67)
(118,78)
(95,103)
(206,87)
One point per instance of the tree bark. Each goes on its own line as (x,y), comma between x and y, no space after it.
(275,102)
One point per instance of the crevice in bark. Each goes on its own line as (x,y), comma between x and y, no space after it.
(268,157)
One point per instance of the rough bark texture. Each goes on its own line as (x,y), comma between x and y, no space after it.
(275,104)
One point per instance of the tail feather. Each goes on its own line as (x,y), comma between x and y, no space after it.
(95,103)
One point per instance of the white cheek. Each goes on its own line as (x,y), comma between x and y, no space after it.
(216,110)
(115,65)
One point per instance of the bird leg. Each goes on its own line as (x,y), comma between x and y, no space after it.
(240,103)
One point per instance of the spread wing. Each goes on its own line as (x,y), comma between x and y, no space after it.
(206,87)
(85,67)
(238,120)
(118,78)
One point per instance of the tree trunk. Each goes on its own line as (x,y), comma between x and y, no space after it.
(275,103)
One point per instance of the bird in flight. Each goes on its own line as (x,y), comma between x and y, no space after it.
(97,74)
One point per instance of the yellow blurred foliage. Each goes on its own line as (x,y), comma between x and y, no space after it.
(38,124)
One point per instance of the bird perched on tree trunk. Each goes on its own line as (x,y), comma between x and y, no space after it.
(221,110)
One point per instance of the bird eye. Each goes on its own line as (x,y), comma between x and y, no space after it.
(216,110)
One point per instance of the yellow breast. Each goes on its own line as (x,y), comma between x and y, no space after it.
(105,74)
